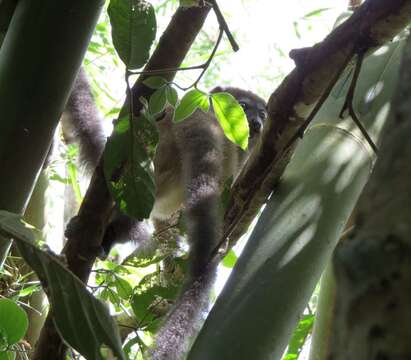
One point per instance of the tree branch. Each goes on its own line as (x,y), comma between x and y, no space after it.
(373,23)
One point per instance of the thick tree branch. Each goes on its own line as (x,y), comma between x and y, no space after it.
(373,266)
(373,23)
(85,239)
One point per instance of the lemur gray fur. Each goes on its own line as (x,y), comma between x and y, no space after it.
(192,161)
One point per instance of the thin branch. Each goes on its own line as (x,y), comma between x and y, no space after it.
(348,104)
(223,25)
(208,62)
(203,66)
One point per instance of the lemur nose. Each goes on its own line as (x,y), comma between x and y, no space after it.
(256,126)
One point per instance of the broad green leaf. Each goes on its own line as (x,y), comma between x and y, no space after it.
(230,259)
(204,105)
(134,29)
(136,191)
(155,82)
(117,149)
(142,304)
(132,186)
(83,321)
(13,224)
(13,322)
(232,118)
(191,101)
(158,101)
(124,289)
(172,96)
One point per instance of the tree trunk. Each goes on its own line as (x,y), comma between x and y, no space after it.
(373,267)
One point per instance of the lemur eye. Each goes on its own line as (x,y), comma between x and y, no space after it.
(262,114)
(243,105)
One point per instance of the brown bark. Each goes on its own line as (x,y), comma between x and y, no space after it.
(85,238)
(373,23)
(373,267)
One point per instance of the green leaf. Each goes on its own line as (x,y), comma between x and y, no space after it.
(72,173)
(132,186)
(134,29)
(13,322)
(230,259)
(232,118)
(124,289)
(191,101)
(28,290)
(315,13)
(130,343)
(117,149)
(301,333)
(155,82)
(7,355)
(14,225)
(158,101)
(83,321)
(143,303)
(172,96)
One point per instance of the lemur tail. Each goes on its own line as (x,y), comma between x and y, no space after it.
(201,142)
(82,122)
(184,322)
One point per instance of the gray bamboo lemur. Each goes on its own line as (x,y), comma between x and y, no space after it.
(192,161)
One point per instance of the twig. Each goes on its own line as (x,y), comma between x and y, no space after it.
(348,104)
(203,66)
(207,63)
(224,26)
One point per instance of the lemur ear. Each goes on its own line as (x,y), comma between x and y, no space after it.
(217,89)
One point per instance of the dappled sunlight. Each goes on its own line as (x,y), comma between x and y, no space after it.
(298,245)
(373,92)
(381,51)
(381,117)
(355,158)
